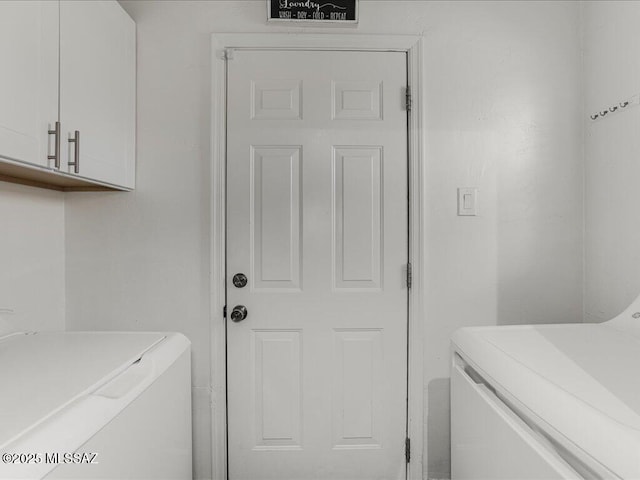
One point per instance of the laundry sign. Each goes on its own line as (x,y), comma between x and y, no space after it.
(324,11)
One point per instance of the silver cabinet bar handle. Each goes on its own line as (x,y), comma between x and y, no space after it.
(56,145)
(76,152)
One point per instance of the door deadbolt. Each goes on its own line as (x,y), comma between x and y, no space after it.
(239,280)
(239,313)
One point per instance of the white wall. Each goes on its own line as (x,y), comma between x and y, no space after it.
(503,115)
(612,158)
(503,91)
(32,257)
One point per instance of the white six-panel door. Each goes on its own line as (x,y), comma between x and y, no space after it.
(317,221)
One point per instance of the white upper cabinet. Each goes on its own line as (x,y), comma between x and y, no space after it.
(29,80)
(97,90)
(71,62)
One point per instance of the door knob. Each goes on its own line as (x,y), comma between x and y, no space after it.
(239,280)
(239,313)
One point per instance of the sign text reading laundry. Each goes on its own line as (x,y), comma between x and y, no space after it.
(315,10)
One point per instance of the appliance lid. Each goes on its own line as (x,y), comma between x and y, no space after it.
(580,379)
(42,372)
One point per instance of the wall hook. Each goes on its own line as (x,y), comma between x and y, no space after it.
(613,109)
(593,117)
(604,113)
(623,105)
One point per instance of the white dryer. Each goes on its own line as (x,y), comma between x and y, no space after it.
(548,401)
(94,405)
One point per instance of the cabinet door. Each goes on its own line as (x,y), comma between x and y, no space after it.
(97,90)
(29,80)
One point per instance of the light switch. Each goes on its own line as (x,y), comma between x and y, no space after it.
(467,201)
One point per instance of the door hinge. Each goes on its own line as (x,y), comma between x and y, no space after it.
(409,275)
(408,99)
(224,312)
(407,449)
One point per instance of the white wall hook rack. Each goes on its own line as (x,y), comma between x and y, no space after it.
(619,107)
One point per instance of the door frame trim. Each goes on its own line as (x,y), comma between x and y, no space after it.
(413,46)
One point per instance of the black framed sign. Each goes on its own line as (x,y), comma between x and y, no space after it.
(319,11)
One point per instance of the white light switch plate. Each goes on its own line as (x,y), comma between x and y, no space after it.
(467,201)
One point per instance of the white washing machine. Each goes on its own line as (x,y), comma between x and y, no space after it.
(548,401)
(94,405)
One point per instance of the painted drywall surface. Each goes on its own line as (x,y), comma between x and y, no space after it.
(503,103)
(32,258)
(612,150)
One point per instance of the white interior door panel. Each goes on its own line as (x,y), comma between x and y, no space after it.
(317,221)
